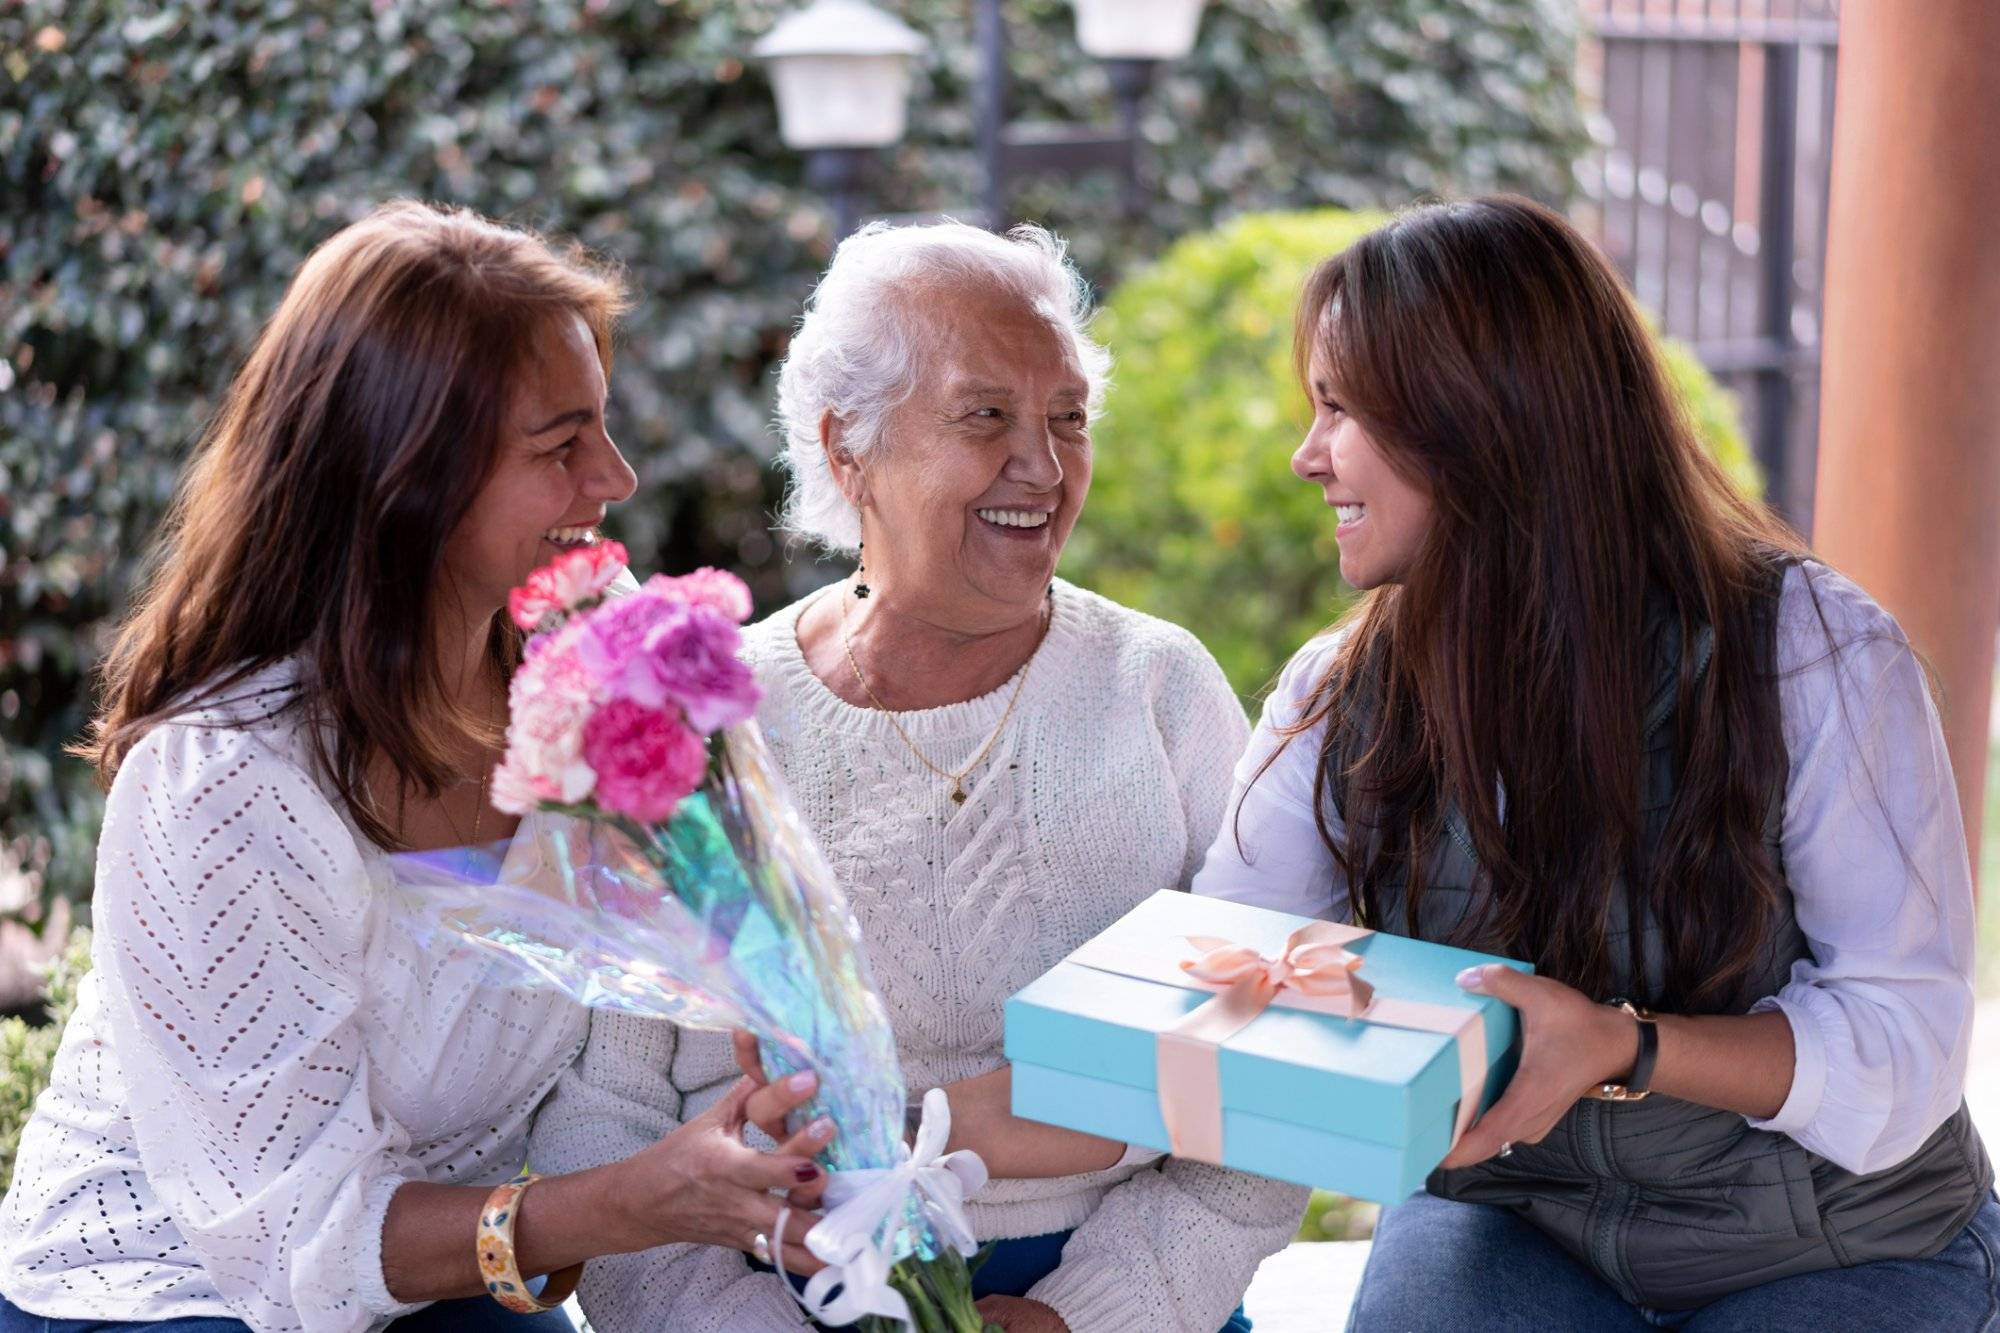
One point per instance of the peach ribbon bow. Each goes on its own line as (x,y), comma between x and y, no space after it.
(1314,961)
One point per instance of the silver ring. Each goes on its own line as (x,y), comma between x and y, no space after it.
(760,1245)
(1506,1150)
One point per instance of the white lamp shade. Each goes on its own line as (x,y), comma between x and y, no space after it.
(841,101)
(1137,29)
(841,70)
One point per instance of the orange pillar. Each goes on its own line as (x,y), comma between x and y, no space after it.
(1908,499)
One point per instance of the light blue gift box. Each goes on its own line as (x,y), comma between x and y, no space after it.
(1312,1098)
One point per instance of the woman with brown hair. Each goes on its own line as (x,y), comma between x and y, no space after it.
(272,1109)
(1598,712)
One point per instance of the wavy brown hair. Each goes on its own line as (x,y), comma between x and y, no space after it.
(1497,361)
(313,518)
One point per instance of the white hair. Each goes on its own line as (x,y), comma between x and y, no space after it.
(855,352)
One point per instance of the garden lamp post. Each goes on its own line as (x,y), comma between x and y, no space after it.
(1132,38)
(841,72)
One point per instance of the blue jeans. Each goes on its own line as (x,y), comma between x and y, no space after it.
(1012,1266)
(472,1315)
(1439,1267)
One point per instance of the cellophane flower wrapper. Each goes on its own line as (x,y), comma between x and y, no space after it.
(722,914)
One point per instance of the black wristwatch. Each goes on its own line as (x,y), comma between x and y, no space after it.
(1637,1084)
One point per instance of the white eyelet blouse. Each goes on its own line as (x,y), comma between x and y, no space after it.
(259,1057)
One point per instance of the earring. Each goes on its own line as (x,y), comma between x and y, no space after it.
(861,588)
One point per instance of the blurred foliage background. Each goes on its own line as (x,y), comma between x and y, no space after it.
(164,166)
(28,1045)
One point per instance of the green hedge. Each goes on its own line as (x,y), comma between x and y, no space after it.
(28,1050)
(1194,513)
(165,165)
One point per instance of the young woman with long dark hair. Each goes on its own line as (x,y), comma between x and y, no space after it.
(273,1110)
(1597,711)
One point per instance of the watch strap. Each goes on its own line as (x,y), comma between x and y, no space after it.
(1641,1079)
(1638,1084)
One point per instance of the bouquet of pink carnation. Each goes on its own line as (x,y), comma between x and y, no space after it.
(666,872)
(615,701)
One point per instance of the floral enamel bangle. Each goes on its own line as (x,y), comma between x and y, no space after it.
(498,1268)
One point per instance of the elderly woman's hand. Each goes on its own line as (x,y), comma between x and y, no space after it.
(983,1121)
(1017,1314)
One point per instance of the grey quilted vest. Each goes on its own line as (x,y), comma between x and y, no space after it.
(1675,1205)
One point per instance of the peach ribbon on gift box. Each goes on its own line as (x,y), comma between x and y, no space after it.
(1314,971)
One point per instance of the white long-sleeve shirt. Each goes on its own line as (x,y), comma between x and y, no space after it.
(1106,784)
(1881,1009)
(259,1058)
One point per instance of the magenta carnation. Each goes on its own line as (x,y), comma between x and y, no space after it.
(615,632)
(661,652)
(707,587)
(646,760)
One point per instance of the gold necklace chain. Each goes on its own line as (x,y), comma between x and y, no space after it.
(957,780)
(479,814)
(479,811)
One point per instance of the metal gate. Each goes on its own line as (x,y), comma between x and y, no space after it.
(1709,191)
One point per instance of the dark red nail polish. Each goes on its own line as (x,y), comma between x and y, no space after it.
(806,1173)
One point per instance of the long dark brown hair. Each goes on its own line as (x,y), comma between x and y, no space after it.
(313,519)
(1496,360)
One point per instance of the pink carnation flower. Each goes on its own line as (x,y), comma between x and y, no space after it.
(593,687)
(513,790)
(661,652)
(614,633)
(565,583)
(548,703)
(708,587)
(645,759)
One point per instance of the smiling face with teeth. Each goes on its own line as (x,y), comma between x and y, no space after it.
(982,470)
(1384,515)
(554,472)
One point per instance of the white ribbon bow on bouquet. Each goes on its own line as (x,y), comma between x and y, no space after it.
(859,1202)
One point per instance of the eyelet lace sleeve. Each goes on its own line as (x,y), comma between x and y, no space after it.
(232,906)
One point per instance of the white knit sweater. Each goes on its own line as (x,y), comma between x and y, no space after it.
(1107,784)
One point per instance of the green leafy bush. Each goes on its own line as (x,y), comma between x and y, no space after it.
(1337,1217)
(166,163)
(27,1050)
(1194,514)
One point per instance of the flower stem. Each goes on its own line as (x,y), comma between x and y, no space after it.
(940,1297)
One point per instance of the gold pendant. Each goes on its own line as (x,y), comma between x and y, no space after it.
(958,793)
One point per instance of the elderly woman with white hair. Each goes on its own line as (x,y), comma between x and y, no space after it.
(998,763)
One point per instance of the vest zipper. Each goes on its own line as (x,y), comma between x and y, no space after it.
(1606,1220)
(1454,824)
